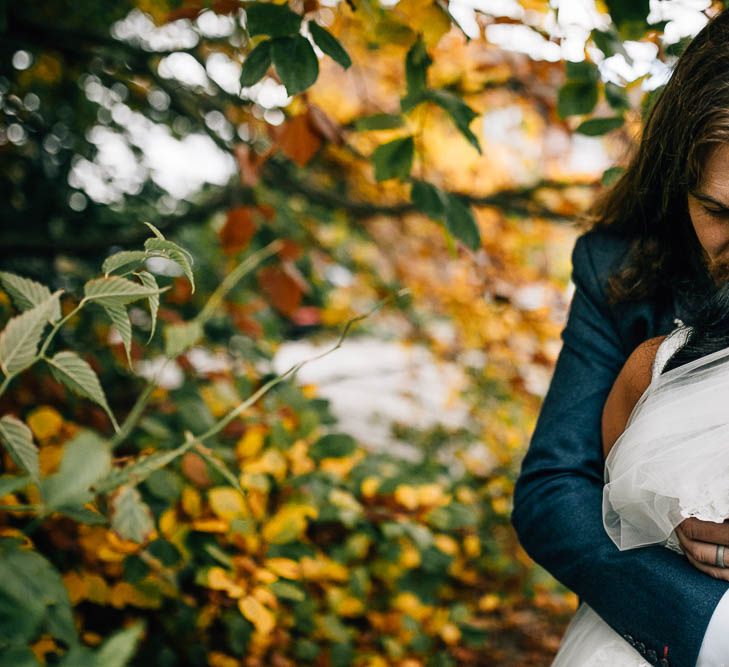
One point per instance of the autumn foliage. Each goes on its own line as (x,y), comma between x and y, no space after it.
(166,498)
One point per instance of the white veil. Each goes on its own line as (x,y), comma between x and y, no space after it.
(672,460)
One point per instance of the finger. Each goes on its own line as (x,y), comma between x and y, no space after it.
(716,572)
(703,552)
(704,531)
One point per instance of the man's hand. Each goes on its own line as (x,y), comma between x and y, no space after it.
(699,541)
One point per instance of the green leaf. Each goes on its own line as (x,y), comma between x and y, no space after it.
(181,336)
(417,62)
(123,262)
(78,656)
(452,517)
(120,318)
(20,337)
(256,64)
(597,126)
(155,231)
(84,515)
(131,517)
(116,291)
(296,62)
(76,374)
(27,293)
(610,43)
(33,598)
(611,175)
(18,656)
(12,483)
(86,460)
(582,71)
(616,97)
(677,48)
(576,97)
(173,252)
(629,16)
(379,121)
(333,445)
(18,440)
(329,44)
(428,199)
(287,591)
(137,472)
(148,280)
(265,18)
(461,223)
(119,649)
(459,111)
(394,159)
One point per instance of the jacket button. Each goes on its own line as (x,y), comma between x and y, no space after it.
(629,639)
(640,647)
(651,655)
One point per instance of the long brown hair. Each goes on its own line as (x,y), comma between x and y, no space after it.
(648,204)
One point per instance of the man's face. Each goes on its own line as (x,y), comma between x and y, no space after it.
(708,206)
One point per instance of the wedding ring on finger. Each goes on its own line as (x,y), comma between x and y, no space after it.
(719,560)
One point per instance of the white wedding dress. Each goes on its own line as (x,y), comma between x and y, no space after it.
(671,462)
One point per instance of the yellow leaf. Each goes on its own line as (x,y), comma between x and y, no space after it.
(427,18)
(283,567)
(251,441)
(489,602)
(123,594)
(272,461)
(168,522)
(211,525)
(75,586)
(472,546)
(261,617)
(49,458)
(450,633)
(217,659)
(407,496)
(219,580)
(288,524)
(45,422)
(298,456)
(369,486)
(191,503)
(446,544)
(227,503)
(409,556)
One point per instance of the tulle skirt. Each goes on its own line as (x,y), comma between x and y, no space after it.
(591,642)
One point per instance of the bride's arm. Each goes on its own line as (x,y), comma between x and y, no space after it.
(632,381)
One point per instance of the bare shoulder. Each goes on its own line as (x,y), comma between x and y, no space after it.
(632,381)
(637,370)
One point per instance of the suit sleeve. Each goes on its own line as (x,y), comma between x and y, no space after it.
(651,596)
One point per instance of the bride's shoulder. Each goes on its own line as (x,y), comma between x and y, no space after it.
(638,368)
(632,380)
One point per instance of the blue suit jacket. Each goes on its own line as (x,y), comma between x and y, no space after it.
(652,596)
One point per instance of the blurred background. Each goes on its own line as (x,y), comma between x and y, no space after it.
(280,424)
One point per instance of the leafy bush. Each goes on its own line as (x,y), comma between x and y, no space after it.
(208,528)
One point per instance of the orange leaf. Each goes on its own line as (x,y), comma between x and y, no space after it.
(298,140)
(290,250)
(238,230)
(195,469)
(283,292)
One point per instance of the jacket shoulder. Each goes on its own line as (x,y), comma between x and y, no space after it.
(598,254)
(602,250)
